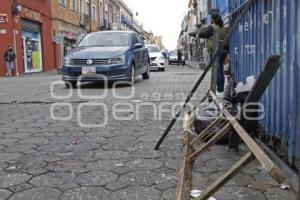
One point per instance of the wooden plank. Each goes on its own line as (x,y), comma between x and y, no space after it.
(265,77)
(260,86)
(204,132)
(210,143)
(185,174)
(261,156)
(210,191)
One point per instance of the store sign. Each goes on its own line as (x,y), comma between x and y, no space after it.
(3,31)
(70,36)
(3,18)
(31,14)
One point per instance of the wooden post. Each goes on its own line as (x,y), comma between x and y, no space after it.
(185,174)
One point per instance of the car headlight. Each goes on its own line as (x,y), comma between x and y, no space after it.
(67,61)
(117,60)
(161,57)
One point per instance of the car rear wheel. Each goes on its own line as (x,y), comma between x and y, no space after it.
(72,84)
(146,75)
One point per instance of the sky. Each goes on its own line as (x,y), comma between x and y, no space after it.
(162,17)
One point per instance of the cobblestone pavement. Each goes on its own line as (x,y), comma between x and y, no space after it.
(46,159)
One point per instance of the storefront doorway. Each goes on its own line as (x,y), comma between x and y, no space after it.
(32,51)
(68,45)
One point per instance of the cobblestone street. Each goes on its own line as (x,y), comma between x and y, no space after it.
(46,159)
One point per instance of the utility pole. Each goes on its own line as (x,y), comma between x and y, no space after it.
(90,12)
(16,9)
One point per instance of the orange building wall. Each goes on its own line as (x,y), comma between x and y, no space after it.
(65,14)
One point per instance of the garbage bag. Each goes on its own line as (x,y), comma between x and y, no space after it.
(206,113)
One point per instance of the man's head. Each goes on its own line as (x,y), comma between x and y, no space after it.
(215,16)
(9,47)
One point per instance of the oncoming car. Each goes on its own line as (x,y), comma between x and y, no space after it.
(173,58)
(107,55)
(157,59)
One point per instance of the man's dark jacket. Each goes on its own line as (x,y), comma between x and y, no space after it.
(9,55)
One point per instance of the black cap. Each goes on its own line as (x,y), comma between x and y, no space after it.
(215,15)
(214,11)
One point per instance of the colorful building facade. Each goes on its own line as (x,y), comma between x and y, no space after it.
(27,31)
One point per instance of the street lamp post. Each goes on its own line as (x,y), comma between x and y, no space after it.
(90,11)
(16,9)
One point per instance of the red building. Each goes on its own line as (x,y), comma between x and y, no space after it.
(29,33)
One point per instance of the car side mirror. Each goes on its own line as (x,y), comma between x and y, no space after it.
(138,45)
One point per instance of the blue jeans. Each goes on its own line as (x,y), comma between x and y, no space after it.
(9,68)
(220,71)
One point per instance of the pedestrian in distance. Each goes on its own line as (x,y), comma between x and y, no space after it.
(183,57)
(9,57)
(179,57)
(211,32)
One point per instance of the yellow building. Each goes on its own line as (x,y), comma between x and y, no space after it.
(71,20)
(159,41)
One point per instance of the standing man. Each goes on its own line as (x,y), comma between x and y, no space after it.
(216,35)
(179,57)
(9,57)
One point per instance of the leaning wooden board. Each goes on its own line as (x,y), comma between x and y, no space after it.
(261,156)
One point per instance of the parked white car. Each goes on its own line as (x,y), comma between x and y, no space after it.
(157,59)
(173,57)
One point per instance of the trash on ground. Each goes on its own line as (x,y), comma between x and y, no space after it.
(197,193)
(76,141)
(285,187)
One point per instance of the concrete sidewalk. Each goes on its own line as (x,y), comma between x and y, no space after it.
(195,64)
(192,64)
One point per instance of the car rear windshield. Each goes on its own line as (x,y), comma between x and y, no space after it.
(173,53)
(153,49)
(105,39)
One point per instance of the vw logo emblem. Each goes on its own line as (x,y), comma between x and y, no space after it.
(89,62)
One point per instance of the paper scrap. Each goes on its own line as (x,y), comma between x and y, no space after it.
(197,193)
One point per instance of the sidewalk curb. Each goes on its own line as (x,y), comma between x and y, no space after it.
(190,66)
(198,67)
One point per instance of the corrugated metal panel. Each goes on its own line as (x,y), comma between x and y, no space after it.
(298,106)
(222,5)
(272,27)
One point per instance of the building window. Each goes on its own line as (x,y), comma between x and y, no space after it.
(62,2)
(87,8)
(94,17)
(101,11)
(110,14)
(73,5)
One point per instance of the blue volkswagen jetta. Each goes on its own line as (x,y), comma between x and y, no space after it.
(107,55)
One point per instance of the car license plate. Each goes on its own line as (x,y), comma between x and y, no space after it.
(88,70)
